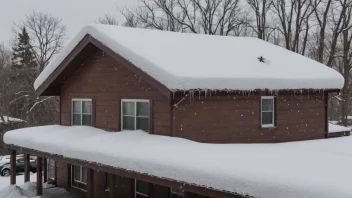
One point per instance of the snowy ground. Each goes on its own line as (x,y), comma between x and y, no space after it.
(28,190)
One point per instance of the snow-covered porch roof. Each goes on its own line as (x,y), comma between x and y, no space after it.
(300,169)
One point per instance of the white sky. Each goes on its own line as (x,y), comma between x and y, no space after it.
(74,13)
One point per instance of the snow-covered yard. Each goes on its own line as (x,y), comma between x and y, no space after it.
(28,190)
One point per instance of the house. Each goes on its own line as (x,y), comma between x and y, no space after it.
(207,89)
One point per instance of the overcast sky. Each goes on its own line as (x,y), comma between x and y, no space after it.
(74,13)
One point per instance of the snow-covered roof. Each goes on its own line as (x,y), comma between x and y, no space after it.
(334,128)
(184,61)
(298,169)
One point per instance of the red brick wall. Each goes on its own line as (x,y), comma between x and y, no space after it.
(238,118)
(101,78)
(104,80)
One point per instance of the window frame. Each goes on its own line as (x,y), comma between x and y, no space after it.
(81,176)
(173,192)
(72,108)
(272,125)
(49,161)
(139,193)
(135,101)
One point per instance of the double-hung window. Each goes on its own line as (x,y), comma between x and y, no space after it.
(82,112)
(268,111)
(79,177)
(176,193)
(141,189)
(135,115)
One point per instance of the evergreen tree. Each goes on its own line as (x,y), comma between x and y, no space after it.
(23,56)
(24,72)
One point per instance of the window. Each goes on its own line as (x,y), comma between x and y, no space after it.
(82,112)
(79,177)
(176,193)
(141,189)
(107,182)
(135,115)
(268,111)
(51,169)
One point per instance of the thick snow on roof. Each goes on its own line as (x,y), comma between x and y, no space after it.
(299,169)
(183,61)
(333,128)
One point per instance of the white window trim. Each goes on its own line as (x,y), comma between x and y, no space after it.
(261,112)
(138,193)
(135,112)
(81,100)
(72,178)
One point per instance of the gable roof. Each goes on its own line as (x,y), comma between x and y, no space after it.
(184,61)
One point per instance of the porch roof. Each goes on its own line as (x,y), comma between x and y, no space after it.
(300,169)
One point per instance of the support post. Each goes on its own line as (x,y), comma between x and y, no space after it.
(112,185)
(90,185)
(13,167)
(26,168)
(45,169)
(39,176)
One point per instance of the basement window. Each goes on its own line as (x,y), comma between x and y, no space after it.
(267,111)
(141,189)
(82,112)
(135,115)
(176,193)
(79,177)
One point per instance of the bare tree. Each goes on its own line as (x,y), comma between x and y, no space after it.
(261,9)
(47,35)
(294,17)
(321,10)
(215,17)
(108,20)
(5,56)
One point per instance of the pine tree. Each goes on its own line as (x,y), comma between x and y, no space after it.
(24,72)
(23,57)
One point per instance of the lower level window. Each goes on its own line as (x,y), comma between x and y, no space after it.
(141,189)
(79,177)
(51,169)
(176,193)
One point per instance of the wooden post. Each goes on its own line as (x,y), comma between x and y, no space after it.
(13,167)
(90,184)
(112,185)
(26,168)
(39,176)
(45,169)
